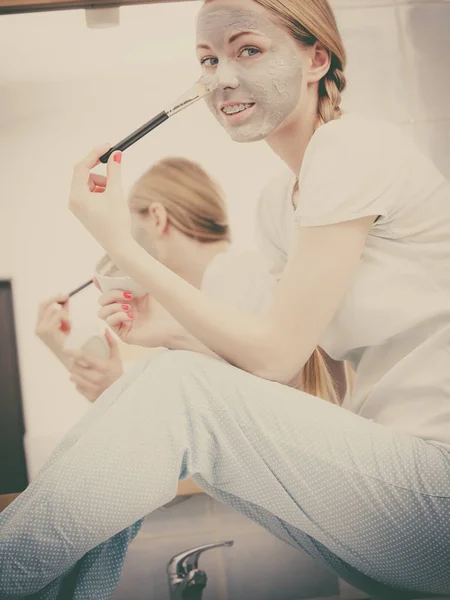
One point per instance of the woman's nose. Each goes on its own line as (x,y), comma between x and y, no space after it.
(227,76)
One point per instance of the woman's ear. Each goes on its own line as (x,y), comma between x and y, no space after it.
(319,62)
(159,216)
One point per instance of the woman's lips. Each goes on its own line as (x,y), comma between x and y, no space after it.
(237,117)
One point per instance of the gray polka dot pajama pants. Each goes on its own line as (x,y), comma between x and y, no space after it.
(370,503)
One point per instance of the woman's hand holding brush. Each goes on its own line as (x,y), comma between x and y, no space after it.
(53,325)
(98,201)
(90,375)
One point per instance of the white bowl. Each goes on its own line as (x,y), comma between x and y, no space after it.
(116,280)
(125,284)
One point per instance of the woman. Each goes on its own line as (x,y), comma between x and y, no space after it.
(364,490)
(180,217)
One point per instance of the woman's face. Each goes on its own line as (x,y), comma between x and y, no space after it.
(258,65)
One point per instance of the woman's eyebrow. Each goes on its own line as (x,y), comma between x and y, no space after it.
(235,36)
(232,38)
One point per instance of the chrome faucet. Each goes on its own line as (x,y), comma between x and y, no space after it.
(186,580)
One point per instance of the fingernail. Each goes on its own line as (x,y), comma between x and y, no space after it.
(127,295)
(118,157)
(131,316)
(126,306)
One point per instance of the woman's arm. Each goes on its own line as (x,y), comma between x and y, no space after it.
(324,259)
(180,339)
(173,335)
(53,326)
(277,344)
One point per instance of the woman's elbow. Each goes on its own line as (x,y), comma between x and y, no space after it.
(279,367)
(269,356)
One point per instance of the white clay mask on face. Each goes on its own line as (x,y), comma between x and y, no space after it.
(259,73)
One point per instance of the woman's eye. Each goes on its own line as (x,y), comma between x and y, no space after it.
(250,50)
(209,61)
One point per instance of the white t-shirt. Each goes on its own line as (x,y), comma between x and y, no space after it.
(393,324)
(241,278)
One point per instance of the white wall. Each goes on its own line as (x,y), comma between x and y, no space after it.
(64,89)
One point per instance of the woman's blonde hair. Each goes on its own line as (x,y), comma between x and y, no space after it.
(194,202)
(310,21)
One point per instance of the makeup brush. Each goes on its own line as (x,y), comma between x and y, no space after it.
(204,86)
(78,289)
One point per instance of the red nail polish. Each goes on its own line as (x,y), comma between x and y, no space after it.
(127,295)
(118,157)
(126,306)
(131,316)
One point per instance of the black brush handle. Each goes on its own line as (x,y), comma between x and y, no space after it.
(136,135)
(78,289)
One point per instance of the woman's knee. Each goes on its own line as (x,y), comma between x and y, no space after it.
(189,379)
(181,365)
(182,361)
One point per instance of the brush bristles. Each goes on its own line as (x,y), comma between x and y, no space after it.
(205,85)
